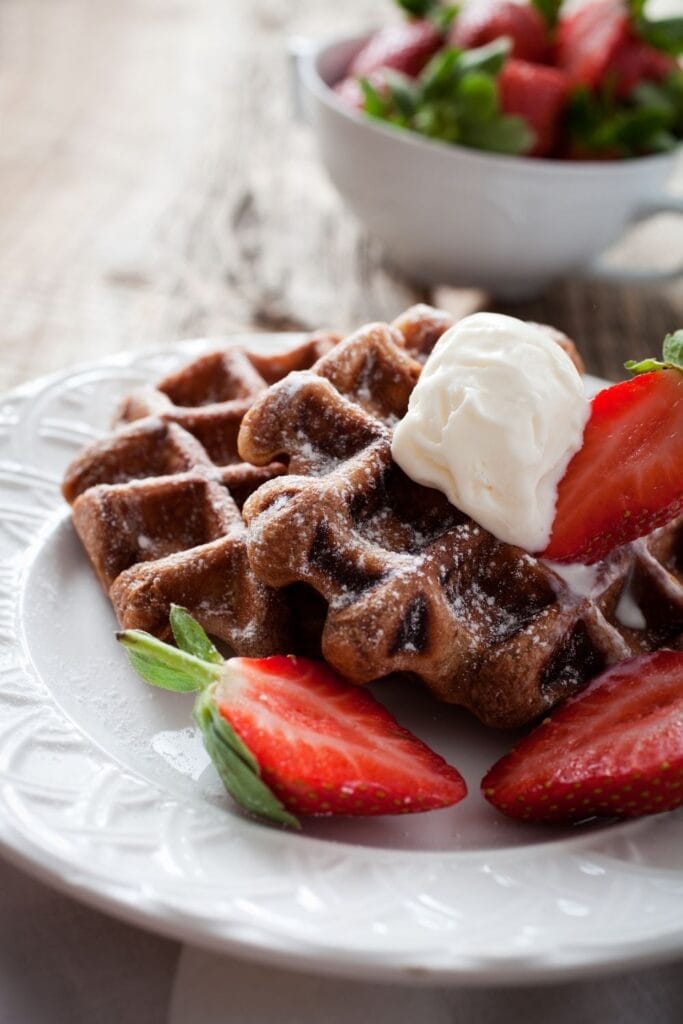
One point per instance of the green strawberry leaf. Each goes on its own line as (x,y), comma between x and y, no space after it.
(487,59)
(648,122)
(165,666)
(437,78)
(673,349)
(455,99)
(190,637)
(418,8)
(672,356)
(374,103)
(549,10)
(236,765)
(664,34)
(443,17)
(402,95)
(207,714)
(506,134)
(477,98)
(644,366)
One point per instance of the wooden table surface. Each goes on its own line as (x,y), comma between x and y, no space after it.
(154,186)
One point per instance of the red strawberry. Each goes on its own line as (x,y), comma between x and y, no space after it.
(485,20)
(588,39)
(636,61)
(290,735)
(326,746)
(615,750)
(627,477)
(404,47)
(538,94)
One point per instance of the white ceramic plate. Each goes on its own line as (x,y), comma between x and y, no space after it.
(105,790)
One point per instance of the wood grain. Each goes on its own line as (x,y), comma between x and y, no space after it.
(154,186)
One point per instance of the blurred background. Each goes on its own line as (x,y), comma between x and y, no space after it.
(154,185)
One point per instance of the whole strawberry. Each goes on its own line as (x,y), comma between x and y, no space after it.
(482,21)
(405,47)
(616,750)
(538,94)
(289,736)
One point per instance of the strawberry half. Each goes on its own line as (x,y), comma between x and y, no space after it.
(539,95)
(327,747)
(405,47)
(627,478)
(616,750)
(289,735)
(485,20)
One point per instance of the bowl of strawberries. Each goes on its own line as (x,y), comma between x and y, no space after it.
(502,144)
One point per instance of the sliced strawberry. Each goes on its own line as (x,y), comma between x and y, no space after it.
(485,20)
(635,62)
(325,746)
(588,39)
(616,750)
(404,47)
(290,735)
(627,477)
(539,95)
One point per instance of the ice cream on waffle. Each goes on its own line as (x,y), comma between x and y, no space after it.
(411,583)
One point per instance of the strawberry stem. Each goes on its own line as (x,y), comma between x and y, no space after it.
(165,666)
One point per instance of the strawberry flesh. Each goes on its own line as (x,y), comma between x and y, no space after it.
(539,95)
(627,478)
(327,747)
(616,750)
(482,22)
(405,47)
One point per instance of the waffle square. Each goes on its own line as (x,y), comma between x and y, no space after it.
(157,504)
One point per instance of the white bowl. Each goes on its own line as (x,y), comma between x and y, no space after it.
(451,215)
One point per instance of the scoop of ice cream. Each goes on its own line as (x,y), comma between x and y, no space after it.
(493,422)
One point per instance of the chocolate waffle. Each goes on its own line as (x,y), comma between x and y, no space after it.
(412,585)
(157,504)
(210,395)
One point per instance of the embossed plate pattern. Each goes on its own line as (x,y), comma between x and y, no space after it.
(106,792)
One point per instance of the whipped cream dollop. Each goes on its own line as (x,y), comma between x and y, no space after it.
(493,422)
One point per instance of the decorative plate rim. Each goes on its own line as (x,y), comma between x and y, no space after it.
(509,915)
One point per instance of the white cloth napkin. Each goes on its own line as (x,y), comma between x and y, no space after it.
(211,989)
(62,963)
